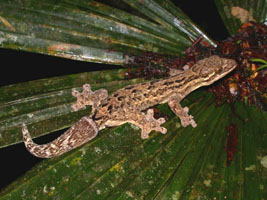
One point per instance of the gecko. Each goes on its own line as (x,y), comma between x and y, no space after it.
(133,104)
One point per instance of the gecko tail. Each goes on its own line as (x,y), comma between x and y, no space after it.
(81,132)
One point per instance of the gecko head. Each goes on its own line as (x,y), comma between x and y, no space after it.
(213,68)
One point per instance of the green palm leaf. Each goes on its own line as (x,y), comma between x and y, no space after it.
(186,163)
(237,13)
(45,104)
(67,31)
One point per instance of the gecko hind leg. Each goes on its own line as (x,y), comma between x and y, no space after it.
(89,97)
(182,113)
(81,132)
(147,123)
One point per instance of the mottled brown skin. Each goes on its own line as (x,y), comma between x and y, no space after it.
(126,105)
(80,133)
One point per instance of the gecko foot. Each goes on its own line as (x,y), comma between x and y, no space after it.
(88,97)
(187,119)
(152,124)
(181,112)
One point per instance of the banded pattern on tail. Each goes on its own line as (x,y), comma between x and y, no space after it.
(81,132)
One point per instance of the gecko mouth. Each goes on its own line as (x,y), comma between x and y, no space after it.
(228,69)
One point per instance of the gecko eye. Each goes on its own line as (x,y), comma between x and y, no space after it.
(218,69)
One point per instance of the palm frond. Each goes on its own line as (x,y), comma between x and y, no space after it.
(237,13)
(223,157)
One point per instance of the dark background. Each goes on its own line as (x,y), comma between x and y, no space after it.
(18,66)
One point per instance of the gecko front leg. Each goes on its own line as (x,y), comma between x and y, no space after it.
(182,113)
(88,97)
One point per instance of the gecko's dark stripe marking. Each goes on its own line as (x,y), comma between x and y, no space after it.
(120,98)
(151,87)
(129,87)
(104,104)
(160,91)
(179,80)
(191,78)
(137,98)
(110,107)
(168,83)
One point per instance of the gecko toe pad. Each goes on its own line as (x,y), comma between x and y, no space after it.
(187,119)
(152,124)
(88,97)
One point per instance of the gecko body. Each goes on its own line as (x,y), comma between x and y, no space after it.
(126,105)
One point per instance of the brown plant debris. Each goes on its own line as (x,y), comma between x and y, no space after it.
(246,83)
